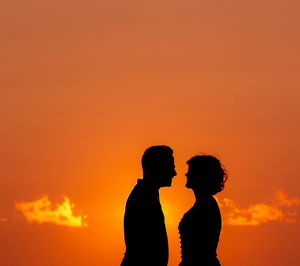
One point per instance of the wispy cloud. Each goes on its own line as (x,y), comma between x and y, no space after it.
(282,208)
(43,211)
(281,199)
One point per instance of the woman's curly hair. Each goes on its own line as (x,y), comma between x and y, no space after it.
(211,175)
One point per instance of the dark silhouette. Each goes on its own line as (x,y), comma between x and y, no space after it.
(144,226)
(200,227)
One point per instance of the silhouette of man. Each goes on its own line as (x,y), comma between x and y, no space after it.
(144,223)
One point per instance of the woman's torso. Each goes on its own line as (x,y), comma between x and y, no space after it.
(199,232)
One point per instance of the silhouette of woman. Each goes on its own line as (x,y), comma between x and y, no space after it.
(200,227)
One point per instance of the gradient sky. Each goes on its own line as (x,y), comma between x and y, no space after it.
(87,86)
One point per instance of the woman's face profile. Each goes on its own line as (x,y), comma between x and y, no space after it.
(191,176)
(195,179)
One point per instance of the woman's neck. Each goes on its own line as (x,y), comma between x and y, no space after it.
(201,195)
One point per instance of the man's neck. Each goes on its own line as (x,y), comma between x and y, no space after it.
(150,185)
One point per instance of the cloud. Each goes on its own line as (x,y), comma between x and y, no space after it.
(282,209)
(43,211)
(282,200)
(3,219)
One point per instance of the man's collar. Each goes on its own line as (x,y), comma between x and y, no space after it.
(148,187)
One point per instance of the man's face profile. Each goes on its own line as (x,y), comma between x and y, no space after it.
(167,172)
(158,166)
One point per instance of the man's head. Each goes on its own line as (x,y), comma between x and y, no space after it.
(158,165)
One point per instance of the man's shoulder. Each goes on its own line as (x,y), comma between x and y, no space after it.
(141,196)
(137,193)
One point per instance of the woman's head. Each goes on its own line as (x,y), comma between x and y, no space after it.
(206,174)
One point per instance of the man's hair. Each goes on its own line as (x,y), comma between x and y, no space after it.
(155,156)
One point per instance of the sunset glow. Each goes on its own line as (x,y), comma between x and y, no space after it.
(260,213)
(87,86)
(43,211)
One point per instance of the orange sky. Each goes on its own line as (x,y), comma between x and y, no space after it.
(87,86)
